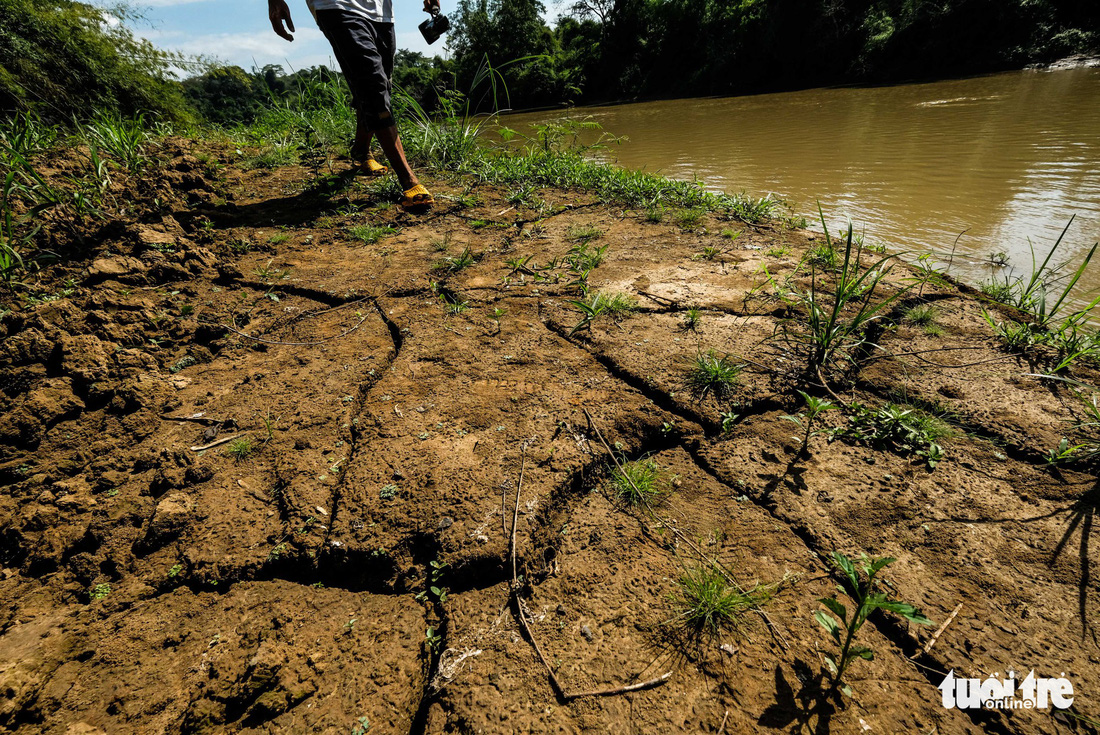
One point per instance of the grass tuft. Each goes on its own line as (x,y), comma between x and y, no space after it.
(925,316)
(241,448)
(922,315)
(456,263)
(711,373)
(614,305)
(583,233)
(638,483)
(370,234)
(705,605)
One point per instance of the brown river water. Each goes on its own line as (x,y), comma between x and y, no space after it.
(1005,158)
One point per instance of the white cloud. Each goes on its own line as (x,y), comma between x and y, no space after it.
(167,3)
(249,49)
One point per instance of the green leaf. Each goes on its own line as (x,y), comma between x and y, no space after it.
(827,622)
(846,690)
(878,564)
(845,565)
(830,664)
(905,610)
(838,609)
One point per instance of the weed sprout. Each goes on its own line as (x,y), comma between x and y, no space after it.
(638,483)
(859,584)
(711,373)
(705,605)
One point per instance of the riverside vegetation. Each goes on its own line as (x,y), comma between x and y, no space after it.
(257,424)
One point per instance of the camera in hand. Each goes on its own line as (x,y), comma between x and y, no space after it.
(434,27)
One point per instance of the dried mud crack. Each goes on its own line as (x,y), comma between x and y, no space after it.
(344,558)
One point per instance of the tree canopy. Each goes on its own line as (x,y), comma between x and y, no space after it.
(62,59)
(617,49)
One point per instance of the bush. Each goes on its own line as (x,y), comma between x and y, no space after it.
(62,59)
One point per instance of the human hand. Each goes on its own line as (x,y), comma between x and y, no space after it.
(431,6)
(278,12)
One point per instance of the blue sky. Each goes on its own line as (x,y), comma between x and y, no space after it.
(239,33)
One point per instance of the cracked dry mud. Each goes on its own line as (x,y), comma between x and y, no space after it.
(148,587)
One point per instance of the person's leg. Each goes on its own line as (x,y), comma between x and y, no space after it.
(346,47)
(365,51)
(388,138)
(360,149)
(395,154)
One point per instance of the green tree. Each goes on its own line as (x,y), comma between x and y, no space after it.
(228,94)
(65,59)
(504,32)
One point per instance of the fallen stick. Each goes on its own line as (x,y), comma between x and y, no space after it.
(261,340)
(722,727)
(516,599)
(936,636)
(219,442)
(515,514)
(825,384)
(555,683)
(624,689)
(194,419)
(776,633)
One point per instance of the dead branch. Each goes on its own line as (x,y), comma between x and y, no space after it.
(936,636)
(776,633)
(521,616)
(205,421)
(345,333)
(219,442)
(656,681)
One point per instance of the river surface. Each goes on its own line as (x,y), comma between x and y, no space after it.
(1001,158)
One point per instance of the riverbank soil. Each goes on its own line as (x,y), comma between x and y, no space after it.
(342,564)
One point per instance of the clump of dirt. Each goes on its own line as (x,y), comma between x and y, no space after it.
(259,449)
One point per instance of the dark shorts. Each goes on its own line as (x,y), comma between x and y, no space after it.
(364,49)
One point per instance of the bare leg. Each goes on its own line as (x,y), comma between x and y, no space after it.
(360,149)
(391,145)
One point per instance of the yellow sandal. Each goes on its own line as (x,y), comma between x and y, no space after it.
(373,167)
(417,197)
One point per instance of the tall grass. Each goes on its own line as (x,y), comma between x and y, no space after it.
(1043,296)
(318,117)
(837,319)
(31,200)
(453,138)
(124,139)
(26,135)
(316,121)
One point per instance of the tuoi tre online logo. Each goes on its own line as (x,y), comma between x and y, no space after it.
(995,693)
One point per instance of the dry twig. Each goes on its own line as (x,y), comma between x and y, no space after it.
(204,420)
(936,636)
(345,333)
(555,683)
(219,442)
(776,633)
